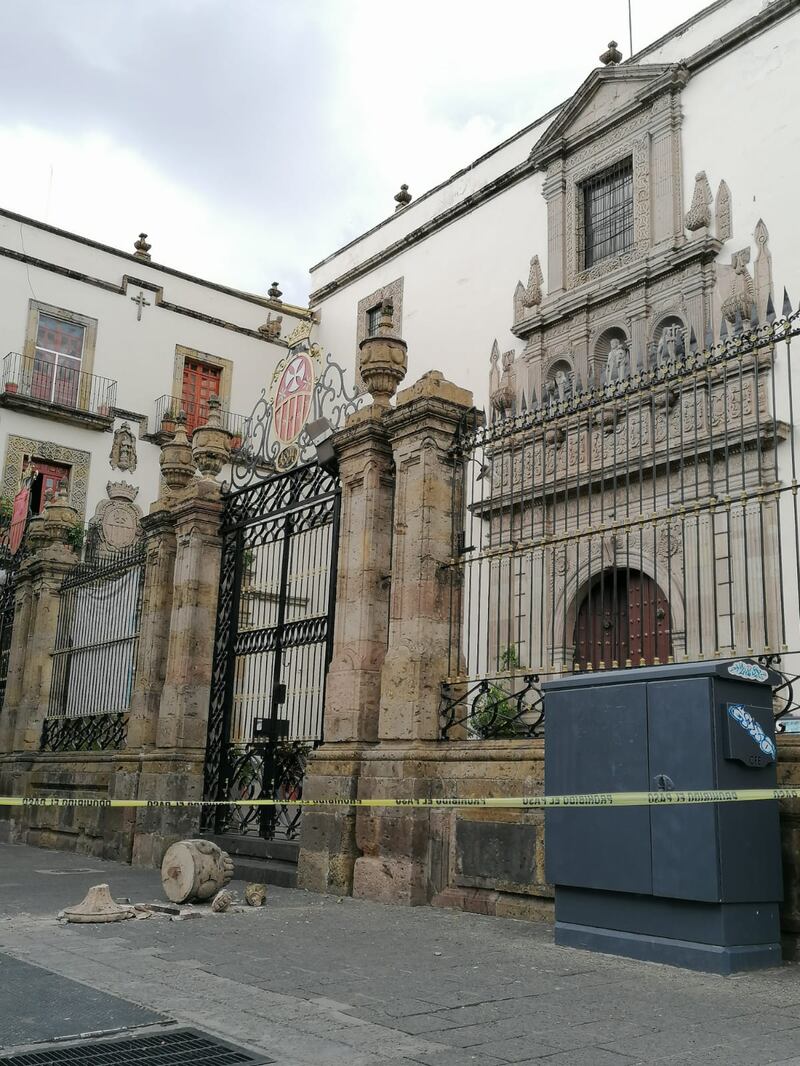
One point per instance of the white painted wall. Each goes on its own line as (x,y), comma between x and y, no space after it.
(139,355)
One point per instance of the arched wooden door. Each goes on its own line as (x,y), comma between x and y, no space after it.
(624,617)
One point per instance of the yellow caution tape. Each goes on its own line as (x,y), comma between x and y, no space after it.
(576,800)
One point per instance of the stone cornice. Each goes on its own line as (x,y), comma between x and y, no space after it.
(656,265)
(775,12)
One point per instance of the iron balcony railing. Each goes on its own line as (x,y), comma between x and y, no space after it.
(169,407)
(42,378)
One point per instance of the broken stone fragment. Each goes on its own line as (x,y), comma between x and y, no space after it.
(98,906)
(164,908)
(221,901)
(255,894)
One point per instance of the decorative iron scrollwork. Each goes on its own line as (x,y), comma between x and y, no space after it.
(90,732)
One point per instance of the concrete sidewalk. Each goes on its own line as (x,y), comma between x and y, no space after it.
(312,980)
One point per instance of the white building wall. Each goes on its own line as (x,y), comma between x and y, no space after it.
(138,354)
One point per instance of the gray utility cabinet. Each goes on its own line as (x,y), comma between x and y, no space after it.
(691,885)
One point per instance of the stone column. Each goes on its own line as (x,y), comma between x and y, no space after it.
(173,768)
(158,529)
(52,556)
(395,843)
(428,493)
(361,630)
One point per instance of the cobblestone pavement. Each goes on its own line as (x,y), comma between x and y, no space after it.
(309,980)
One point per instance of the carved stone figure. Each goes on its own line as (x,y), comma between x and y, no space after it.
(271,329)
(616,362)
(670,346)
(722,213)
(741,294)
(503,391)
(699,214)
(563,385)
(123,450)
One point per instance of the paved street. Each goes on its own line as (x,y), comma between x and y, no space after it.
(309,980)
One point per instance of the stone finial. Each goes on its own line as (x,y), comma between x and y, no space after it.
(274,292)
(177,464)
(98,906)
(698,217)
(403,197)
(384,359)
(722,211)
(141,247)
(611,56)
(211,443)
(57,522)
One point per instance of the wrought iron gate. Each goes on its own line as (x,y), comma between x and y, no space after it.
(276,600)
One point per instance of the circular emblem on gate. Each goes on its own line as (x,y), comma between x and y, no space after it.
(287,458)
(293,393)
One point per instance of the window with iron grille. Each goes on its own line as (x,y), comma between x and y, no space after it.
(373,320)
(608,213)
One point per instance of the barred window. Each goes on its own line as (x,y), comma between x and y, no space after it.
(373,320)
(608,212)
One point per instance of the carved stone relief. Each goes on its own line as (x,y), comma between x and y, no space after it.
(526,298)
(115,524)
(722,210)
(123,450)
(502,384)
(763,269)
(740,295)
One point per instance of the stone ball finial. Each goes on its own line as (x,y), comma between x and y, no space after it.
(274,292)
(141,247)
(383,359)
(211,443)
(611,56)
(177,464)
(403,197)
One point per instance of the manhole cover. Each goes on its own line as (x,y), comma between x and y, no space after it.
(176,1047)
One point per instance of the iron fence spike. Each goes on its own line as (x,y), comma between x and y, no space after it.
(723,329)
(787,304)
(708,339)
(692,340)
(754,316)
(771,316)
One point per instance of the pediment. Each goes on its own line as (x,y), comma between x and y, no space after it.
(607,96)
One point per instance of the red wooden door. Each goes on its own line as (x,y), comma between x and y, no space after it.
(200,383)
(51,477)
(648,613)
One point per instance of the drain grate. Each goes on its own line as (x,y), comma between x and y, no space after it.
(176,1047)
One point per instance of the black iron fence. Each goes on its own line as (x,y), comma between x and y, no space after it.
(96,648)
(615,525)
(43,379)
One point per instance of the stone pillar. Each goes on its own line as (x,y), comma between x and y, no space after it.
(361,630)
(395,843)
(52,556)
(173,768)
(158,529)
(554,191)
(428,492)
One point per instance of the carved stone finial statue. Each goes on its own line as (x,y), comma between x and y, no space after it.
(403,197)
(611,56)
(383,359)
(503,397)
(722,213)
(211,443)
(123,450)
(271,329)
(141,247)
(698,217)
(533,293)
(741,292)
(563,386)
(762,270)
(177,465)
(616,362)
(56,523)
(274,292)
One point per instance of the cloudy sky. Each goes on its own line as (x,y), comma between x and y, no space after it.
(250,138)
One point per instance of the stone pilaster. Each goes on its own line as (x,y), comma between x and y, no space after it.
(428,494)
(158,529)
(394,843)
(183,710)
